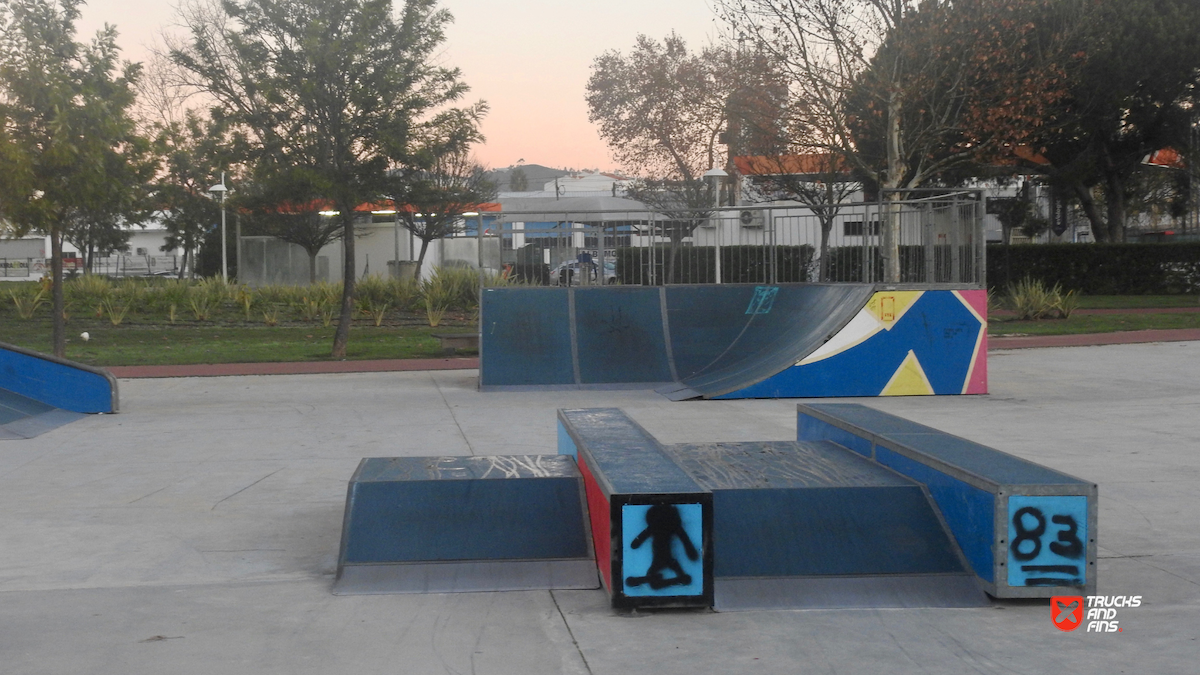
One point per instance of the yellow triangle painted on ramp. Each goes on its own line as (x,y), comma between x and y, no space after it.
(889,306)
(909,379)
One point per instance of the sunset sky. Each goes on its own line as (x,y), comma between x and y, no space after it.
(529,59)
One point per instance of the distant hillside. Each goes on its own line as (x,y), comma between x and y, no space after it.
(536,175)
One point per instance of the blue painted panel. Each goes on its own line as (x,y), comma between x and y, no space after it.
(812,429)
(55,383)
(439,520)
(968,511)
(832,531)
(662,552)
(619,333)
(1047,540)
(938,329)
(525,337)
(566,446)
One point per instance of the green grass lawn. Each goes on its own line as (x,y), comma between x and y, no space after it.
(152,339)
(218,342)
(1095,323)
(1137,301)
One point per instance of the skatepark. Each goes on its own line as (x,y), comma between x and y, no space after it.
(198,530)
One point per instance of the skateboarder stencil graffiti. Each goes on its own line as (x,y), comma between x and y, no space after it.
(667,537)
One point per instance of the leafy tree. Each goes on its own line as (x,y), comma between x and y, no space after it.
(1132,92)
(432,200)
(517,180)
(328,91)
(193,151)
(66,127)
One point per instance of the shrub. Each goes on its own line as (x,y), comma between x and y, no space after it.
(1031,300)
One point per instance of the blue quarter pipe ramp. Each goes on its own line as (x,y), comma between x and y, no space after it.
(39,392)
(696,340)
(737,340)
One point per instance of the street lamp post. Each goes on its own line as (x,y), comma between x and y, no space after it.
(715,175)
(220,189)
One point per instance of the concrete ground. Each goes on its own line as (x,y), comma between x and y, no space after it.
(197,531)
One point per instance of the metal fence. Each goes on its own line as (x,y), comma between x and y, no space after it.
(936,237)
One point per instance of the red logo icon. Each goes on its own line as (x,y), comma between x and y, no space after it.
(1066,611)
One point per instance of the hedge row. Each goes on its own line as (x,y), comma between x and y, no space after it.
(1099,269)
(697,264)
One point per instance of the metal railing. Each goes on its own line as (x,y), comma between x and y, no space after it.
(939,238)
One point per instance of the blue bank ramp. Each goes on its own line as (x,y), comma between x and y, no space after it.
(691,341)
(800,525)
(39,392)
(1026,530)
(450,524)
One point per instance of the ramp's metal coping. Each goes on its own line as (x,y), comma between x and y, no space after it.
(112,381)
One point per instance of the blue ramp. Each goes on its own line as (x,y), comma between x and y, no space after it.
(449,524)
(812,524)
(39,392)
(697,340)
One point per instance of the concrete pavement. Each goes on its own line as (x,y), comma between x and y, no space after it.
(197,531)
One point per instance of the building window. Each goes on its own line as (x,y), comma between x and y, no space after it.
(142,251)
(854,228)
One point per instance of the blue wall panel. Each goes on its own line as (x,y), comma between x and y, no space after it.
(828,531)
(619,334)
(526,337)
(443,520)
(56,383)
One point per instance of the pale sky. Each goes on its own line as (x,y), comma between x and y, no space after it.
(529,59)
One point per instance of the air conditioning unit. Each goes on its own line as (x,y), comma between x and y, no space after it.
(750,218)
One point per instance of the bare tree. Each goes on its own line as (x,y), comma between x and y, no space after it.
(665,112)
(891,85)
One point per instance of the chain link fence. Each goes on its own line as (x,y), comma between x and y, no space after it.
(938,238)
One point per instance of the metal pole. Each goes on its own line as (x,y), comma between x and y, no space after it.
(717,234)
(237,224)
(396,237)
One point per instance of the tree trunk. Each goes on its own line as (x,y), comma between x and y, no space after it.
(1088,204)
(183,263)
(312,267)
(895,178)
(342,335)
(1115,201)
(826,228)
(59,331)
(420,259)
(672,258)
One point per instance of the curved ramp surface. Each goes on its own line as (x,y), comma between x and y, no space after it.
(39,392)
(704,340)
(726,338)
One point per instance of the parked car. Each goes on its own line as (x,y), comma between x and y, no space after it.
(575,273)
